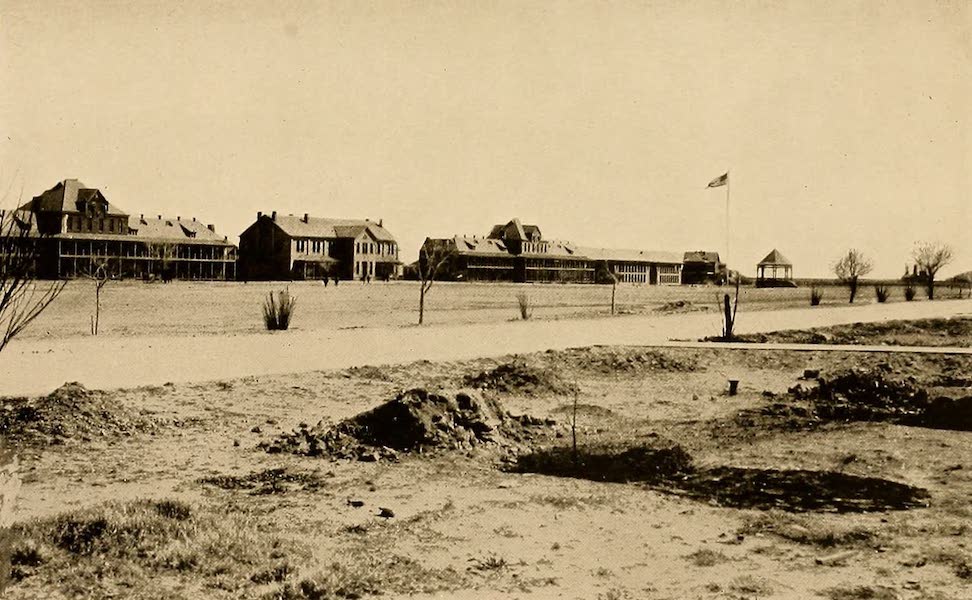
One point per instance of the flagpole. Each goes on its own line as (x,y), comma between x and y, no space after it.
(728,180)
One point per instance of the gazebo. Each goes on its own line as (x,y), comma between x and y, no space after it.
(774,271)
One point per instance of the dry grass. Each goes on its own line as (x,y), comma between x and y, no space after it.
(149,545)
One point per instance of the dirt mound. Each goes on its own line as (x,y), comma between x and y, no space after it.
(612,360)
(69,412)
(520,377)
(587,410)
(679,306)
(414,421)
(871,394)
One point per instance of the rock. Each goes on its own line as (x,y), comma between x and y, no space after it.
(811,373)
(256,429)
(356,503)
(385,513)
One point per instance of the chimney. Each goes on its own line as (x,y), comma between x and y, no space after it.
(160,217)
(381,222)
(305,217)
(178,218)
(194,219)
(211,227)
(259,214)
(273,216)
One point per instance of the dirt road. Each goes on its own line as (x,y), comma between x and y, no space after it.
(38,366)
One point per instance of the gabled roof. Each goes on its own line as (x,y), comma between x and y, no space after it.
(167,229)
(318,227)
(648,256)
(480,246)
(556,248)
(775,258)
(513,230)
(701,256)
(64,196)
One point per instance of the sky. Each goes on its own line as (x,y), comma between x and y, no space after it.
(842,124)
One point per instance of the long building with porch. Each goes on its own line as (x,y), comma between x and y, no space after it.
(518,253)
(77,230)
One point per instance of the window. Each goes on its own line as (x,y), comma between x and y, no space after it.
(111,225)
(301,245)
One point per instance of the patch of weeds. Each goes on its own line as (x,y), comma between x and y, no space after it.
(506,531)
(706,558)
(603,572)
(751,586)
(860,592)
(488,564)
(614,594)
(144,546)
(960,562)
(369,575)
(811,532)
(269,481)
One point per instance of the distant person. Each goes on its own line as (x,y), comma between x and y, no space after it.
(325,281)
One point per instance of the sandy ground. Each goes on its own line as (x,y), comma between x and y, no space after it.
(37,366)
(499,534)
(133,308)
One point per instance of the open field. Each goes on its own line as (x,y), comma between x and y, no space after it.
(184,308)
(679,491)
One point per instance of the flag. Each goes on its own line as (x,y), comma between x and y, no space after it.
(719,181)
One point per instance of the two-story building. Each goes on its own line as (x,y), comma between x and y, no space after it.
(284,247)
(77,230)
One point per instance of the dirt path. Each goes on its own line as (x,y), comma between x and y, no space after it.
(38,366)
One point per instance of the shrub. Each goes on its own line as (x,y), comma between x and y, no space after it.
(882,292)
(524,303)
(910,292)
(816,295)
(278,310)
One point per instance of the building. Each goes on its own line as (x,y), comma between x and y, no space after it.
(702,267)
(284,247)
(519,253)
(636,266)
(774,271)
(77,230)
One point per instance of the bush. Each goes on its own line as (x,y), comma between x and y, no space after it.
(882,292)
(816,295)
(278,310)
(910,292)
(524,303)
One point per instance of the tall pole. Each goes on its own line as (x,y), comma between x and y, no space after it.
(728,180)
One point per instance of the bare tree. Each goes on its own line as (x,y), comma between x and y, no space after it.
(850,268)
(100,273)
(613,277)
(433,256)
(22,297)
(930,258)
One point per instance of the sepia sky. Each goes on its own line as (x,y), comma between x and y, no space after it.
(842,123)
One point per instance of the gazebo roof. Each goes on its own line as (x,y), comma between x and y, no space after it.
(775,258)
